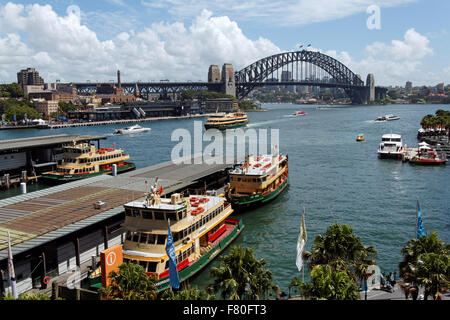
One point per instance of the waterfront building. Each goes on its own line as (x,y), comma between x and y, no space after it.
(220,105)
(32,89)
(46,107)
(408,87)
(29,76)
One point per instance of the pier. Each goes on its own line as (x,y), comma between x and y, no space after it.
(55,230)
(22,160)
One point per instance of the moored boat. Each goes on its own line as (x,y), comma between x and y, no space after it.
(426,155)
(84,160)
(200,225)
(223,121)
(391,147)
(258,180)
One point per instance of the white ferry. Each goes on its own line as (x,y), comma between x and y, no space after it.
(133,129)
(391,147)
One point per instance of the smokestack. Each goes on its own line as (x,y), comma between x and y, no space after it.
(118,79)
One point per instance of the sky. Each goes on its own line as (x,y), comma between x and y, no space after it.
(80,40)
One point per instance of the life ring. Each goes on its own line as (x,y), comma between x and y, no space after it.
(193,199)
(203,200)
(46,280)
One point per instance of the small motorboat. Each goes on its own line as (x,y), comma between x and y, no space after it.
(299,113)
(426,155)
(360,137)
(133,129)
(388,117)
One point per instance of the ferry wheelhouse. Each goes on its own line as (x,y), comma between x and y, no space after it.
(258,180)
(391,147)
(223,121)
(200,226)
(84,160)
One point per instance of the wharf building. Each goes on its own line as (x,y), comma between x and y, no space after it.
(59,230)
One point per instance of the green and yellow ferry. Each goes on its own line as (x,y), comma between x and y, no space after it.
(223,121)
(258,180)
(84,160)
(200,226)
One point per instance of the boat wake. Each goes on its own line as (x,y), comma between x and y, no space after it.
(263,123)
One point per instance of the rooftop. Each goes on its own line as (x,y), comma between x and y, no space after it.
(12,144)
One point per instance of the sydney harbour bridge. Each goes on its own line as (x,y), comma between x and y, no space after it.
(297,68)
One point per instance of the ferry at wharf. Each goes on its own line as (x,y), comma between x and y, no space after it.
(223,121)
(200,226)
(258,180)
(84,160)
(391,147)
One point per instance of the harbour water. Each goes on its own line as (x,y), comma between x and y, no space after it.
(332,176)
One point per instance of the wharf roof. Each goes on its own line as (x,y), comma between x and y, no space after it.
(13,144)
(42,216)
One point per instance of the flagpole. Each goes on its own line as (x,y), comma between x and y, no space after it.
(417,216)
(303,269)
(12,275)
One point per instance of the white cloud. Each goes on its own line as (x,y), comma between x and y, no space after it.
(61,47)
(279,12)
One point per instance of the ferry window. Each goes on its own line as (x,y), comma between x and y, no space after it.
(185,233)
(159,215)
(135,237)
(203,221)
(254,180)
(143,264)
(197,225)
(128,212)
(167,265)
(176,236)
(184,256)
(171,215)
(147,215)
(189,230)
(151,239)
(152,266)
(143,238)
(128,235)
(136,213)
(239,179)
(180,215)
(161,239)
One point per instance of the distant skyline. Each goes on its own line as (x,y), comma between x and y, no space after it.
(80,40)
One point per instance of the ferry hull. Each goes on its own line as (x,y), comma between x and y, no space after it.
(225,126)
(427,162)
(56,178)
(396,156)
(256,199)
(198,265)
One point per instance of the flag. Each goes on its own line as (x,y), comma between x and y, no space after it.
(170,250)
(160,191)
(12,275)
(301,241)
(420,228)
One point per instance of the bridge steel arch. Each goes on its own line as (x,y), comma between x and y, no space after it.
(251,76)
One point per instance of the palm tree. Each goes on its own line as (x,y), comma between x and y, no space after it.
(328,284)
(433,271)
(241,275)
(417,260)
(130,283)
(342,250)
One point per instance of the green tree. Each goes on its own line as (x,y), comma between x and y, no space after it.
(15,90)
(130,283)
(20,111)
(28,296)
(423,261)
(241,275)
(328,284)
(341,249)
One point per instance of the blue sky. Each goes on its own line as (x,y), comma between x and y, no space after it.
(179,39)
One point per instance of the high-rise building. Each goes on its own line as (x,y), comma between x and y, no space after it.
(29,77)
(408,86)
